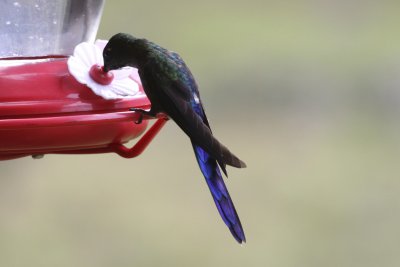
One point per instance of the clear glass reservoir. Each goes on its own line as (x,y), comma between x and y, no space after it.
(30,28)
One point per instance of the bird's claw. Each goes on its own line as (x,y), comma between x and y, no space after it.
(139,121)
(142,113)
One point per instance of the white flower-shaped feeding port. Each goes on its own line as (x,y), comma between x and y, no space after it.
(86,65)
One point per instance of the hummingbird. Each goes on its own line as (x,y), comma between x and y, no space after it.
(172,90)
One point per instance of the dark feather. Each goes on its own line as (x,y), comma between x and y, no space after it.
(173,96)
(171,88)
(219,192)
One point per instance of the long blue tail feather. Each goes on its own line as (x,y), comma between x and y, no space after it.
(219,192)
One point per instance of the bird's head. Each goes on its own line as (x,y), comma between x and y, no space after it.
(122,50)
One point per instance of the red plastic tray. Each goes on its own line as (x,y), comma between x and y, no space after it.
(43,109)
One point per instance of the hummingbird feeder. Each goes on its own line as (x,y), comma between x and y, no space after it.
(54,96)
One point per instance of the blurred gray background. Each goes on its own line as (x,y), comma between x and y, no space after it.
(306,92)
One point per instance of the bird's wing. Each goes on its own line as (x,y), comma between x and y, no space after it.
(176,96)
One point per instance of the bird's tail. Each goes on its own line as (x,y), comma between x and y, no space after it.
(223,201)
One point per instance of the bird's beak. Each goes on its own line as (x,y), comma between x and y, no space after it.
(106,68)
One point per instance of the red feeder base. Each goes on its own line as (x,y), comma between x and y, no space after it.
(43,109)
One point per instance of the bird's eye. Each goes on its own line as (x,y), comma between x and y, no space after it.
(107,52)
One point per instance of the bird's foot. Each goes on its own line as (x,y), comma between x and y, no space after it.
(142,113)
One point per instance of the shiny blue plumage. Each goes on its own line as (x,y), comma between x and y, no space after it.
(213,177)
(172,89)
(219,192)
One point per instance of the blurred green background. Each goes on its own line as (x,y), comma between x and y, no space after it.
(306,92)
